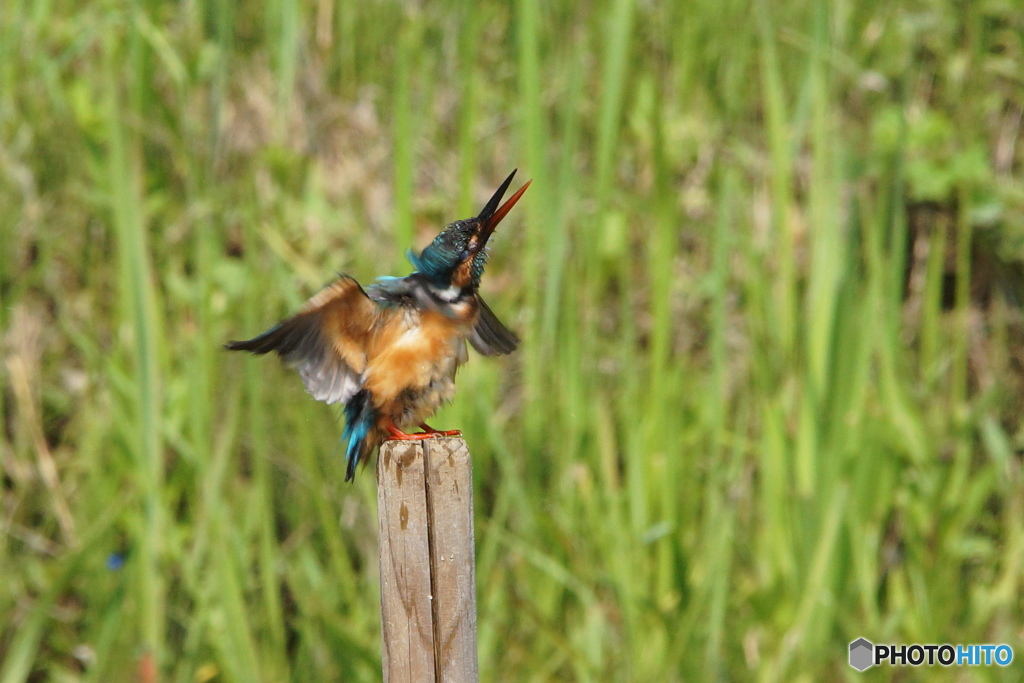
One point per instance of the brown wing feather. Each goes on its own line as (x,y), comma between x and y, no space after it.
(325,341)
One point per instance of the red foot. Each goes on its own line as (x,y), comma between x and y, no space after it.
(434,432)
(399,435)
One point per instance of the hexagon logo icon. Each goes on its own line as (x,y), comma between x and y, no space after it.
(861,651)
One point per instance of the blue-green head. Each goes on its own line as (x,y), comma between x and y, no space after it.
(457,256)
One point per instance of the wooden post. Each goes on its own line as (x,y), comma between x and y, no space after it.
(404,548)
(427,567)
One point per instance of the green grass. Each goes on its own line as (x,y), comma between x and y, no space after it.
(768,279)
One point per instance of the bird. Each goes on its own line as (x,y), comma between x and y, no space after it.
(389,352)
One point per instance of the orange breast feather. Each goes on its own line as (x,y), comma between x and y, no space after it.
(408,356)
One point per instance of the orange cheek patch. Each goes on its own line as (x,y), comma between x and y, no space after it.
(461,276)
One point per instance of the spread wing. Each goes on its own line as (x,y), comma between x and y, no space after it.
(326,341)
(490,337)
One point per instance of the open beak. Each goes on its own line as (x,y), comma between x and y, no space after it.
(491,214)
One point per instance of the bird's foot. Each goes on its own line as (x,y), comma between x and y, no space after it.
(427,433)
(427,429)
(399,435)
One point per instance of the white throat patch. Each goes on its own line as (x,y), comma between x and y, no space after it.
(448,294)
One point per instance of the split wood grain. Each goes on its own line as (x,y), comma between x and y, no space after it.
(427,562)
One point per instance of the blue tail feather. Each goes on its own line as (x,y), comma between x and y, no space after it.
(359,420)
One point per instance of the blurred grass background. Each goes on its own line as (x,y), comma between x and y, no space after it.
(768,279)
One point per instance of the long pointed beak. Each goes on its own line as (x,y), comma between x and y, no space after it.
(491,215)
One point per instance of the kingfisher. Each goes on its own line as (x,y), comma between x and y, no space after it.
(389,353)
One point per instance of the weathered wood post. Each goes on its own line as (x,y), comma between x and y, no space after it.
(427,564)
